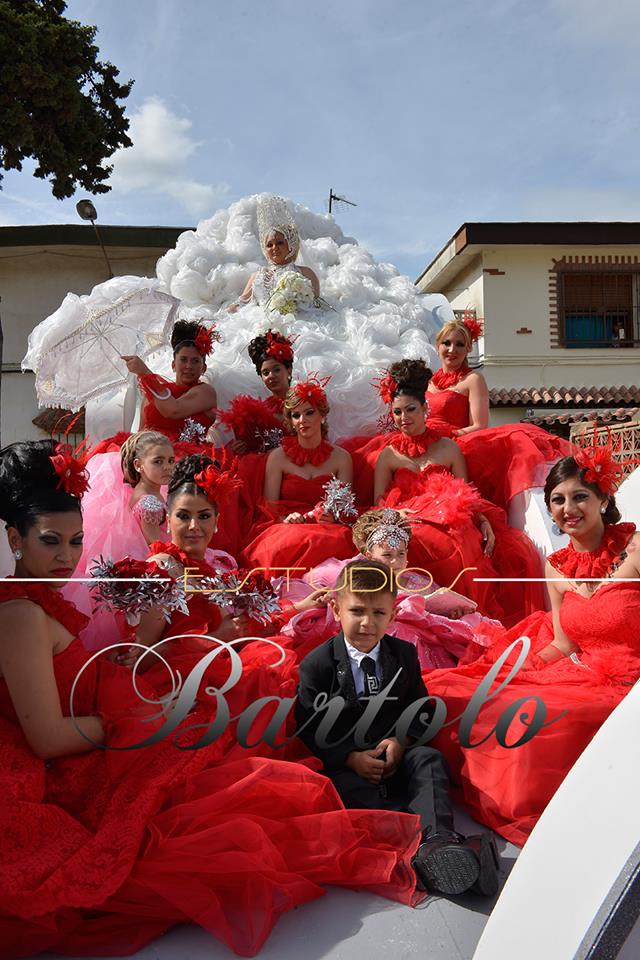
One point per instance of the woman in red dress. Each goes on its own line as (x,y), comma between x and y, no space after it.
(101,851)
(183,411)
(460,539)
(583,659)
(295,477)
(502,461)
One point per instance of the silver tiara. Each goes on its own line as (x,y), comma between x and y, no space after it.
(389,531)
(274,217)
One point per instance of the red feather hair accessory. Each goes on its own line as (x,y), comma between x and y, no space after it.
(251,421)
(218,483)
(279,347)
(205,338)
(71,469)
(474,327)
(386,387)
(311,390)
(599,464)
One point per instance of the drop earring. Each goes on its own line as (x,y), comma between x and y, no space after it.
(17,554)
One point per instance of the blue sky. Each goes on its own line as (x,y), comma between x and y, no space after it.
(425,114)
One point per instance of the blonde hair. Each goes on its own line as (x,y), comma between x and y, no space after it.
(292,400)
(366,525)
(454,326)
(134,447)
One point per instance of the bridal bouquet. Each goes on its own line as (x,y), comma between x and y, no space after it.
(135,587)
(293,292)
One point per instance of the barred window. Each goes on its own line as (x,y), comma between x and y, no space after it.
(597,309)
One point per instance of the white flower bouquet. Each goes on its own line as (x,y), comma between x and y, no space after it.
(292,292)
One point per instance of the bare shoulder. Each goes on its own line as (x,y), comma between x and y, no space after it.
(277,457)
(308,273)
(551,573)
(634,543)
(24,619)
(340,455)
(445,445)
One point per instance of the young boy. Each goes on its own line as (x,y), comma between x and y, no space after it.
(383,773)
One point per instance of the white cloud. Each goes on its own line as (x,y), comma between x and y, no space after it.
(159,159)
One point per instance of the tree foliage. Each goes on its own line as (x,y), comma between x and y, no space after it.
(59,104)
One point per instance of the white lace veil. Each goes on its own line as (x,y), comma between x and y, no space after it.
(274,217)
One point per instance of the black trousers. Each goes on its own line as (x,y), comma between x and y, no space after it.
(419,785)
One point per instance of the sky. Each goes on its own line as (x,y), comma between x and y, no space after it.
(424,114)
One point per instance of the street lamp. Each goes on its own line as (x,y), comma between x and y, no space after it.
(87,211)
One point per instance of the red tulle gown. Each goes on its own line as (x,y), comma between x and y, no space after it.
(251,466)
(273,544)
(104,851)
(502,461)
(508,789)
(445,541)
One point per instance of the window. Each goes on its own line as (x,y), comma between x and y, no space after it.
(597,309)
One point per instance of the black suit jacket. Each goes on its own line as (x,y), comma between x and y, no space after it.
(327,669)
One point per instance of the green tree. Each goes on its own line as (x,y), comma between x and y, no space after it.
(58,103)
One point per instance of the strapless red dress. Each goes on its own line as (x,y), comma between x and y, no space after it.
(273,544)
(445,541)
(508,789)
(502,461)
(104,851)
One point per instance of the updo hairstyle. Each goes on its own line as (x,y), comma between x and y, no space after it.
(28,485)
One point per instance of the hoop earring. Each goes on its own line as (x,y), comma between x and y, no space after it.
(17,554)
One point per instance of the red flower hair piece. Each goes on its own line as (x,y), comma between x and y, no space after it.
(218,483)
(205,339)
(279,347)
(599,465)
(311,390)
(474,327)
(71,469)
(386,387)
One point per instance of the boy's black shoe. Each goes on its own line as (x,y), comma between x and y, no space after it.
(444,864)
(488,883)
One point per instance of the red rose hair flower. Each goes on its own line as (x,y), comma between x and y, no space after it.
(386,387)
(279,347)
(205,339)
(72,473)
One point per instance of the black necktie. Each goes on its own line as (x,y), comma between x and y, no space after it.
(371,684)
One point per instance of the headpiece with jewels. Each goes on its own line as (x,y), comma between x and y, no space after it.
(599,464)
(393,530)
(312,391)
(274,217)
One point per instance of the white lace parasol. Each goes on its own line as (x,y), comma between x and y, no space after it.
(79,356)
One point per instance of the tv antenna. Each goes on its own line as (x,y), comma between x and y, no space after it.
(334,196)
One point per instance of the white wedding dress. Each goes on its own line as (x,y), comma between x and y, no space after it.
(370,317)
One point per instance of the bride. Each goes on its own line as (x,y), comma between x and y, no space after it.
(374,315)
(280,242)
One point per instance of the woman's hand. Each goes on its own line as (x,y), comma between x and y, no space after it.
(319,598)
(136,365)
(295,518)
(488,535)
(125,657)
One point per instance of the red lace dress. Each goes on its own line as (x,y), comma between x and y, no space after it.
(508,789)
(502,461)
(272,543)
(104,851)
(445,541)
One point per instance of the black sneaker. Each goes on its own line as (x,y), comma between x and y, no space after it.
(488,882)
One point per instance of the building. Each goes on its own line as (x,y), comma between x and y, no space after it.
(39,265)
(561,310)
